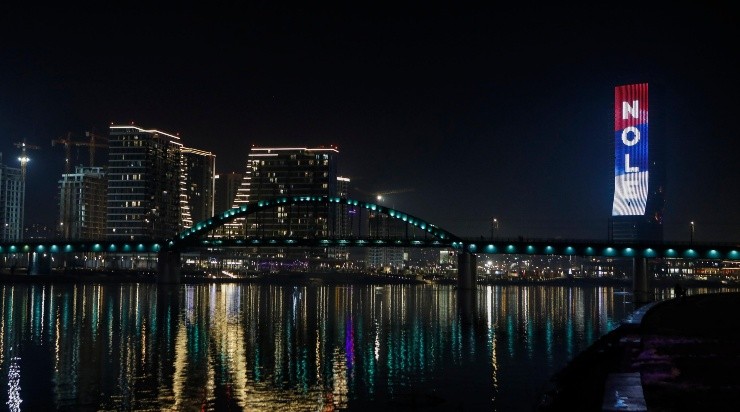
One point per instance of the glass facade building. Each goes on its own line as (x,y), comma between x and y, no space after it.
(144,184)
(199,176)
(12,190)
(83,204)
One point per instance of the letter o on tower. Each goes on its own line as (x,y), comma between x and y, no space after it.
(626,138)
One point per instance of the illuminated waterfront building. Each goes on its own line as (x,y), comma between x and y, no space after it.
(639,191)
(144,184)
(82,204)
(289,172)
(198,186)
(276,172)
(388,259)
(12,202)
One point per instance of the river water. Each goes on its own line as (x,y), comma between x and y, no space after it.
(263,347)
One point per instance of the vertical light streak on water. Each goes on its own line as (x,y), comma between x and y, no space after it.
(179,377)
(491,340)
(570,324)
(14,385)
(4,315)
(529,319)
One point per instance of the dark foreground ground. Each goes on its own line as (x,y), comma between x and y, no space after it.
(686,351)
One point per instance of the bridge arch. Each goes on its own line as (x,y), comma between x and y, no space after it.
(222,218)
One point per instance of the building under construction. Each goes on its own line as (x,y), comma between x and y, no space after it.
(12,188)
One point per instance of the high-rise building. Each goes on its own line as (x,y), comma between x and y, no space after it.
(144,184)
(388,259)
(12,190)
(227,185)
(275,172)
(639,198)
(199,175)
(83,204)
(344,228)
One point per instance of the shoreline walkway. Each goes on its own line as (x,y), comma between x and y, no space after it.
(680,354)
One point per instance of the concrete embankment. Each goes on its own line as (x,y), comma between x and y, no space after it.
(686,352)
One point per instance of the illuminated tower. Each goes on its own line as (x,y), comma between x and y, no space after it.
(144,184)
(637,209)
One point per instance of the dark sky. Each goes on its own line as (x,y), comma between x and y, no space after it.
(504,111)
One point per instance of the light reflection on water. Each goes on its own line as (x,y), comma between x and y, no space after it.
(251,347)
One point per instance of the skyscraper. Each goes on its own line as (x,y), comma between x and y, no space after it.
(199,175)
(637,210)
(82,204)
(144,184)
(11,203)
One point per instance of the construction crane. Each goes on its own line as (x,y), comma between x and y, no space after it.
(93,144)
(68,143)
(24,159)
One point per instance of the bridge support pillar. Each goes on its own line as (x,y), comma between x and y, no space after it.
(168,267)
(466,271)
(39,263)
(640,281)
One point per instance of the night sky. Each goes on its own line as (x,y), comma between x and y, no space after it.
(474,112)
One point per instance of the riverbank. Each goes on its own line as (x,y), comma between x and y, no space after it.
(685,350)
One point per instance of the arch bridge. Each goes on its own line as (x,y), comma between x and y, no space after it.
(201,235)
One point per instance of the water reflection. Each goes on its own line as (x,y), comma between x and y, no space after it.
(250,347)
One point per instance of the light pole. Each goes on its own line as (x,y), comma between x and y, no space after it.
(691,233)
(494,226)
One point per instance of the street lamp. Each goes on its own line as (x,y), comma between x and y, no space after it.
(691,233)
(494,226)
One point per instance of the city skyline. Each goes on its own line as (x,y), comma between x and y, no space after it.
(484,113)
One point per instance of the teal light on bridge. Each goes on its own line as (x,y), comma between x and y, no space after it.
(112,248)
(40,249)
(54,249)
(549,250)
(97,248)
(570,250)
(13,249)
(156,247)
(531,250)
(589,251)
(733,254)
(140,248)
(713,254)
(472,247)
(671,253)
(690,253)
(610,251)
(511,249)
(68,248)
(126,247)
(490,249)
(629,252)
(2,250)
(650,253)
